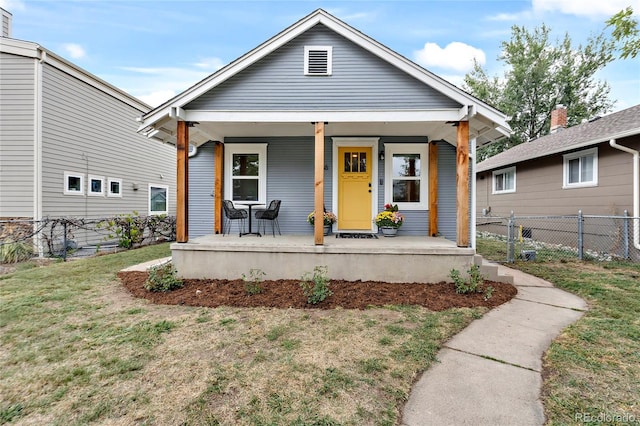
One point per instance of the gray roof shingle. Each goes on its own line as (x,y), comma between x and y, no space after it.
(613,126)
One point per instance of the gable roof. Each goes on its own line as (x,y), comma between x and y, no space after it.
(491,117)
(613,126)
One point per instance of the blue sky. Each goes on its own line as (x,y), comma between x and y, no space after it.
(155,49)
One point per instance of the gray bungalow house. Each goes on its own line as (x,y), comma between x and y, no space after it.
(329,119)
(69,144)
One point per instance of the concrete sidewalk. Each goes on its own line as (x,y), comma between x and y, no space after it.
(490,373)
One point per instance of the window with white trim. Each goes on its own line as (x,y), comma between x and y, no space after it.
(246,172)
(158,199)
(114,187)
(504,180)
(580,168)
(318,60)
(407,176)
(73,183)
(96,186)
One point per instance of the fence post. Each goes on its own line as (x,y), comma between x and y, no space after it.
(64,240)
(580,236)
(625,234)
(511,242)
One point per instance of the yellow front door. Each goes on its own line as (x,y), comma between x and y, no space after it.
(354,188)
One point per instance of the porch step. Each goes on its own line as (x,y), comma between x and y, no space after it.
(490,272)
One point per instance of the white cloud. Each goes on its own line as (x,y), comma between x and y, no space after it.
(75,51)
(591,8)
(157,98)
(212,64)
(455,56)
(12,5)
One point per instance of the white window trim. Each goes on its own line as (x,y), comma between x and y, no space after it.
(111,194)
(65,185)
(165,212)
(565,168)
(92,193)
(246,148)
(500,172)
(407,148)
(328,49)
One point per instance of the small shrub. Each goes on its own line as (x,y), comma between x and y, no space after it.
(14,252)
(127,228)
(162,278)
(252,283)
(319,290)
(475,280)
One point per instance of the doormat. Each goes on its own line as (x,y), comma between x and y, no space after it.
(355,235)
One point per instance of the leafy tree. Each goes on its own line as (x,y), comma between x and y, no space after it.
(539,76)
(625,32)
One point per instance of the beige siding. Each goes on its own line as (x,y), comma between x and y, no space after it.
(88,132)
(539,187)
(17,95)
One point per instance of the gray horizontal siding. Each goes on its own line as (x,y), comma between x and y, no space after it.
(17,135)
(201,181)
(360,80)
(86,131)
(447,216)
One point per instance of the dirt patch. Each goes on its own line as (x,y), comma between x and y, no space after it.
(346,294)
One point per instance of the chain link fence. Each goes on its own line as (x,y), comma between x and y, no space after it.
(66,237)
(577,236)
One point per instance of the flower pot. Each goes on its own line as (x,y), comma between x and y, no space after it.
(327,229)
(389,231)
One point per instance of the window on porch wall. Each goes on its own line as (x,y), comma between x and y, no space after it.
(406,176)
(246,172)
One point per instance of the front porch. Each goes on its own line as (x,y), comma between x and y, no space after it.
(398,259)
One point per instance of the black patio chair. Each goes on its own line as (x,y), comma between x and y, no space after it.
(231,213)
(271,214)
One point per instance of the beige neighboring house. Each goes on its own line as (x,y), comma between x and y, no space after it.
(591,167)
(69,144)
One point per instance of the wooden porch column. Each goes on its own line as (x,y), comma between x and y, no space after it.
(462,184)
(218,161)
(182,179)
(433,189)
(318,228)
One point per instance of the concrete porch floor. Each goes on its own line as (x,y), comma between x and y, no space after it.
(397,259)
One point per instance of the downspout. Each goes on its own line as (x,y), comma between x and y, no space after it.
(37,148)
(474,218)
(636,189)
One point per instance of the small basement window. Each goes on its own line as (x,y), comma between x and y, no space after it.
(96,185)
(73,183)
(114,187)
(318,60)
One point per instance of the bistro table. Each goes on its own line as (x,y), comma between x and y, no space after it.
(250,204)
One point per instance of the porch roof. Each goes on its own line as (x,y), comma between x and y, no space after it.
(485,122)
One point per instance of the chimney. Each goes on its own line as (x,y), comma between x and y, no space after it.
(6,23)
(558,118)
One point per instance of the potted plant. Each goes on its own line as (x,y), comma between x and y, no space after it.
(328,220)
(389,220)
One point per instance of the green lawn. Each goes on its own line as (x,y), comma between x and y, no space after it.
(592,370)
(77,349)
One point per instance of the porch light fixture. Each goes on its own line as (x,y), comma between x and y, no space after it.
(381,155)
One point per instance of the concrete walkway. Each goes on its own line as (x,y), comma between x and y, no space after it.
(490,373)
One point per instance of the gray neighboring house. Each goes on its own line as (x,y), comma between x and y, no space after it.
(588,167)
(69,144)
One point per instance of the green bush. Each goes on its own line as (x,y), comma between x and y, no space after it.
(475,280)
(15,251)
(252,283)
(319,290)
(162,278)
(127,228)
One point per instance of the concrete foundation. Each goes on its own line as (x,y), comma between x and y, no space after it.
(399,259)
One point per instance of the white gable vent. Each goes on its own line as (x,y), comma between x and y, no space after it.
(317,60)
